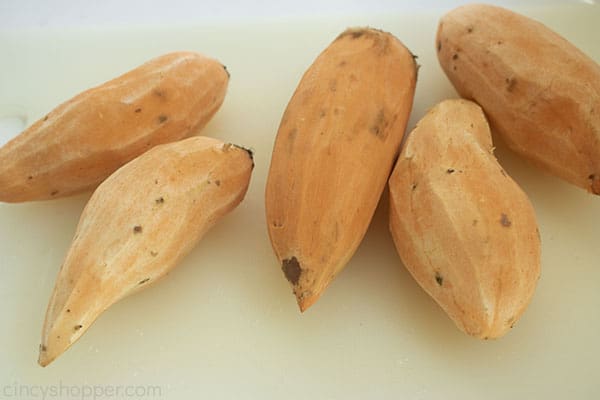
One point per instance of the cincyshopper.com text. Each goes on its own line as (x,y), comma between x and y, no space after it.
(18,390)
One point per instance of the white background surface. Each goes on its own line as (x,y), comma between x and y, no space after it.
(224,324)
(36,13)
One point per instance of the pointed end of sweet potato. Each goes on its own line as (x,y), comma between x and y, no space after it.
(306,293)
(57,339)
(306,299)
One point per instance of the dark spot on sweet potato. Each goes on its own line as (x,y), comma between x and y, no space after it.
(218,182)
(138,110)
(54,193)
(595,183)
(137,229)
(357,33)
(450,170)
(342,63)
(439,279)
(414,186)
(143,281)
(292,133)
(30,177)
(291,136)
(454,68)
(46,118)
(470,29)
(439,45)
(159,93)
(162,118)
(78,327)
(455,56)
(292,270)
(510,84)
(160,200)
(475,222)
(322,114)
(511,321)
(43,348)
(156,181)
(68,310)
(504,221)
(379,125)
(500,42)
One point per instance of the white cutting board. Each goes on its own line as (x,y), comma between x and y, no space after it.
(224,324)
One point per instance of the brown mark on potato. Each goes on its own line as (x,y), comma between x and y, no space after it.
(439,46)
(505,221)
(292,134)
(143,281)
(159,93)
(160,200)
(138,110)
(137,229)
(510,84)
(162,118)
(292,270)
(439,278)
(455,56)
(78,327)
(595,183)
(379,125)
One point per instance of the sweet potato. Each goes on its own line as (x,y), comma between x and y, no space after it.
(540,93)
(333,154)
(463,228)
(82,141)
(137,226)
